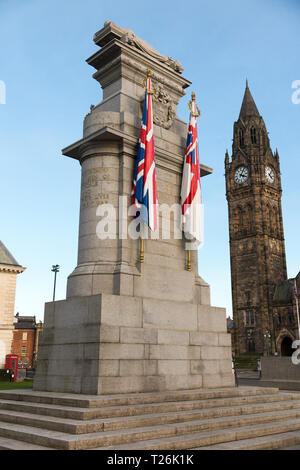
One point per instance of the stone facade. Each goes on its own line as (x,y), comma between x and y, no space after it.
(257,247)
(9,269)
(285,316)
(127,326)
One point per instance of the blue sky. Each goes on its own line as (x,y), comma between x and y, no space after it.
(49,89)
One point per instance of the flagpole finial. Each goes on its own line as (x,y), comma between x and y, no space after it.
(195,111)
(146,83)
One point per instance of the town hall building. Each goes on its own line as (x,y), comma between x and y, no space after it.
(264,314)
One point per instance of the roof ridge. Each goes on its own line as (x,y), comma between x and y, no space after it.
(6,257)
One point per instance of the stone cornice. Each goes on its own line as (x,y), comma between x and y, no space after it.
(174,161)
(11,269)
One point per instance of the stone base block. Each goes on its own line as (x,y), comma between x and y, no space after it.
(107,344)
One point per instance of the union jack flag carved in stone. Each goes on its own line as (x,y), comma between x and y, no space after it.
(144,194)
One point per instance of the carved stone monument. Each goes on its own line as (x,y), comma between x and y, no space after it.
(126,326)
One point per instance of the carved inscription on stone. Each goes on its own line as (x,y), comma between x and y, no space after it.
(92,196)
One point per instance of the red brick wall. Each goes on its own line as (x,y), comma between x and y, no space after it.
(19,342)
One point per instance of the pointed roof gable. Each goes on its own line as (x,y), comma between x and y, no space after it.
(6,257)
(248,108)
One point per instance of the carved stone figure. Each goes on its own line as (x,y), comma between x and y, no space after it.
(130,38)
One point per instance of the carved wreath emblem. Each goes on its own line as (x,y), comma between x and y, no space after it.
(164,110)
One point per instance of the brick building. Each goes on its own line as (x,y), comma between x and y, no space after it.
(26,340)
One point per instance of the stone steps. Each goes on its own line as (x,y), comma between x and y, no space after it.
(92,401)
(159,435)
(171,421)
(143,409)
(278,441)
(202,440)
(12,444)
(73,426)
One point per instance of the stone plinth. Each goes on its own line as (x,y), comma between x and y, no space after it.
(280,372)
(107,344)
(127,326)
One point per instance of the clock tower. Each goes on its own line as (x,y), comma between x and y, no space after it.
(257,249)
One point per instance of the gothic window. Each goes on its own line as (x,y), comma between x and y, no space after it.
(253,135)
(241,138)
(276,223)
(240,217)
(250,318)
(268,219)
(248,297)
(291,315)
(274,220)
(249,217)
(271,223)
(279,320)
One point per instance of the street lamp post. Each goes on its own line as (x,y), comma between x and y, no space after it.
(267,337)
(55,270)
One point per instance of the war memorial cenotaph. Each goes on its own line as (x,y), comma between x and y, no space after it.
(128,326)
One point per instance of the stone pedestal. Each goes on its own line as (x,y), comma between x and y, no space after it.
(126,326)
(113,344)
(280,372)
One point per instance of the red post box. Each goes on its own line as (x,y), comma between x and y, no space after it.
(11,363)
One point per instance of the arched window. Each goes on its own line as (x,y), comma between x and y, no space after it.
(250,318)
(268,219)
(279,318)
(274,220)
(240,217)
(253,135)
(241,138)
(249,217)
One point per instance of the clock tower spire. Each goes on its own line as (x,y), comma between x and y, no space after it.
(257,249)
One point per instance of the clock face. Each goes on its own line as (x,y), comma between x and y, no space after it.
(270,174)
(241,175)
